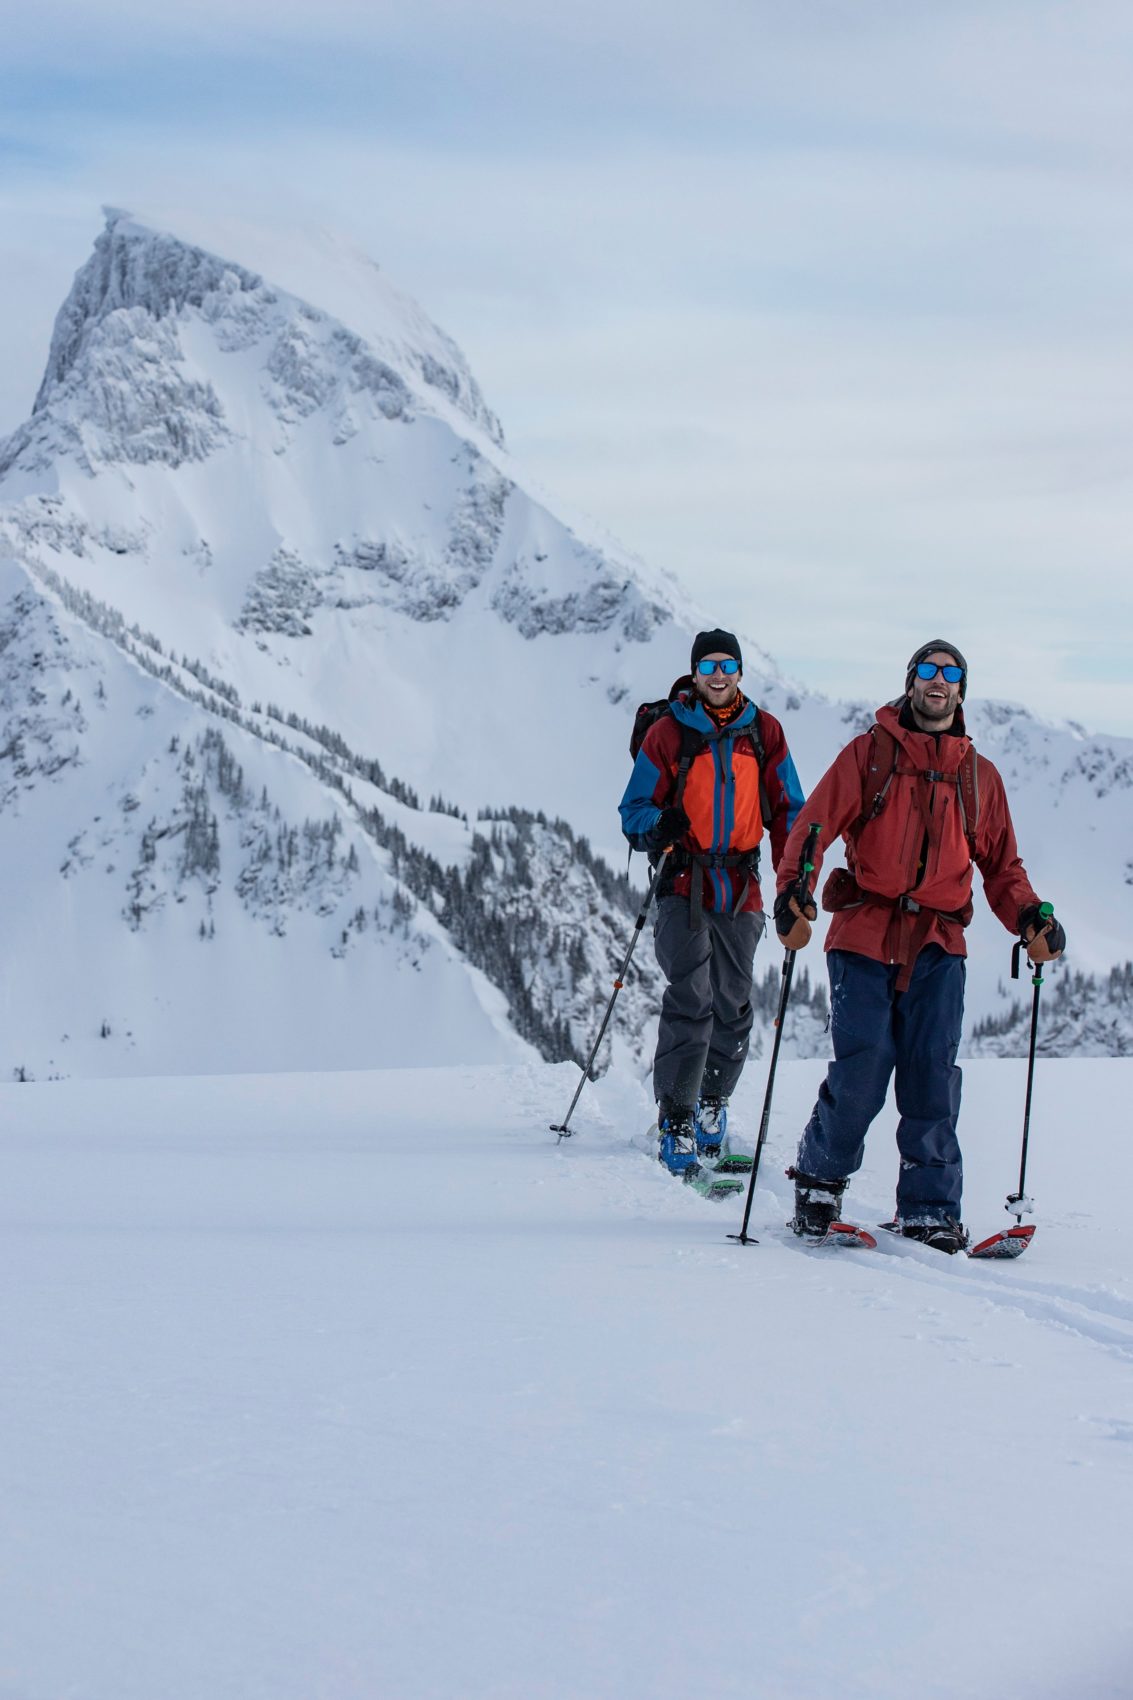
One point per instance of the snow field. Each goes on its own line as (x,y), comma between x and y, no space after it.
(360,1385)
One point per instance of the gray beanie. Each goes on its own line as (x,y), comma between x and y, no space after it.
(936,646)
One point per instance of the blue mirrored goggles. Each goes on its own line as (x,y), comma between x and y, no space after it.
(729,666)
(927,670)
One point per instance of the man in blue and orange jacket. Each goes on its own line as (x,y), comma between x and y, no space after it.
(709,910)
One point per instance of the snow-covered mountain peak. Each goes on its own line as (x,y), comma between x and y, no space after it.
(221,456)
(124,347)
(134,270)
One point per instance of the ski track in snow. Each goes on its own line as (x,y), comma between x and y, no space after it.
(1095,1314)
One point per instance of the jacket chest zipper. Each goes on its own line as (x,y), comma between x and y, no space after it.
(725,782)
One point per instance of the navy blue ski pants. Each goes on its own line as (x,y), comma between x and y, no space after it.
(878,1031)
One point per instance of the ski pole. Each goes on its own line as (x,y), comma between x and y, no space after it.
(801,895)
(563,1128)
(1018,1202)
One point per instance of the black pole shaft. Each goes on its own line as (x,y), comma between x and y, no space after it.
(1037,984)
(563,1128)
(1046,910)
(802,897)
(765,1119)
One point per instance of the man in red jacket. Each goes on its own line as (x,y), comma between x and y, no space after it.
(915,806)
(711,773)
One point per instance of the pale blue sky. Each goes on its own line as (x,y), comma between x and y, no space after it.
(825,307)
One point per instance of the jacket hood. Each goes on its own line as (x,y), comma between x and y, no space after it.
(924,748)
(693,713)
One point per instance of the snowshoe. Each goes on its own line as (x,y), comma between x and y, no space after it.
(848,1236)
(710,1183)
(1011,1242)
(734,1163)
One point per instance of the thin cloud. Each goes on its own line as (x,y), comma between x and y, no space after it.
(825,303)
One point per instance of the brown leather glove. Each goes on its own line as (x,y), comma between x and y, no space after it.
(1044,937)
(792,923)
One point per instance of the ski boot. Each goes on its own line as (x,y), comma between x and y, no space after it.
(817,1204)
(677,1150)
(711,1120)
(943,1234)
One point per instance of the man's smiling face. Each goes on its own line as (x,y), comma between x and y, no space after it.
(718,689)
(934,701)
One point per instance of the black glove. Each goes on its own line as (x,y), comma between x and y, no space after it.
(792,919)
(669,828)
(1043,935)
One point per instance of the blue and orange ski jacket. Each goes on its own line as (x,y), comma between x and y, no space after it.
(721,798)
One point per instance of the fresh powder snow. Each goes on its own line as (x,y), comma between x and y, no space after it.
(361,1385)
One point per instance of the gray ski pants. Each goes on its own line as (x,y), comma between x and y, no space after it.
(706,1013)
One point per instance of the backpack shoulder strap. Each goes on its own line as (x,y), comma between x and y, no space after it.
(968,791)
(878,776)
(692,742)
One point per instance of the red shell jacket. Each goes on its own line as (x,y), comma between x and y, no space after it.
(921,817)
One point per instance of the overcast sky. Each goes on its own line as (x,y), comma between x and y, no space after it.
(824,306)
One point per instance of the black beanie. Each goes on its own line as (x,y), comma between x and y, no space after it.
(937,646)
(715,643)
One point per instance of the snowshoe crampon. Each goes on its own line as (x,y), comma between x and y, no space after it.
(1011,1242)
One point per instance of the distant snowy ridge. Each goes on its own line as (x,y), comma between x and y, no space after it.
(289,555)
(1080,1015)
